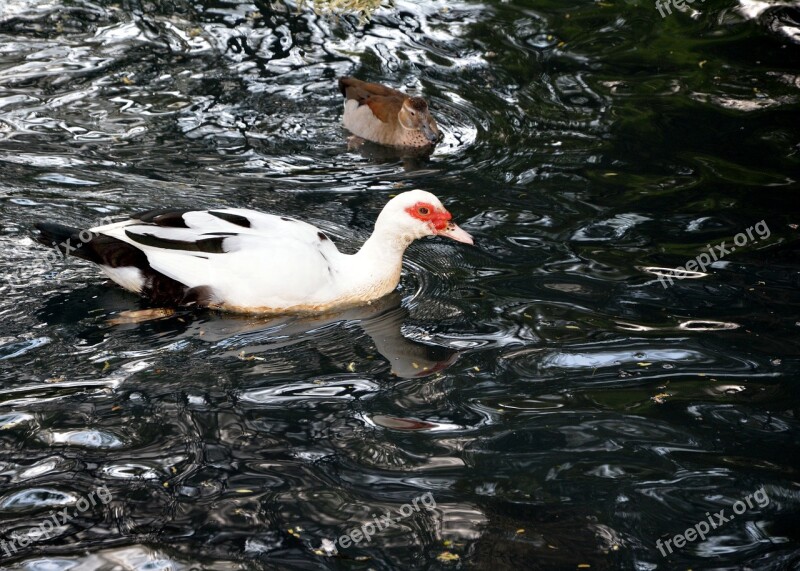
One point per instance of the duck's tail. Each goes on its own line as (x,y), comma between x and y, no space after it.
(344,83)
(68,240)
(122,260)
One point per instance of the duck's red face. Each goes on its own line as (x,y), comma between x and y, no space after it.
(439,221)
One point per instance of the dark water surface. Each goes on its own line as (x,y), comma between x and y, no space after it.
(557,403)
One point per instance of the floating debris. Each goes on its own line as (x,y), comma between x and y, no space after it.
(361,8)
(327,548)
(660,398)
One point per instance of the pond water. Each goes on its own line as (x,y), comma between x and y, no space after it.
(548,399)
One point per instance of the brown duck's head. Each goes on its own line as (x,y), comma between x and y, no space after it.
(415,115)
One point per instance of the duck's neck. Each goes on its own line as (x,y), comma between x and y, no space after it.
(374,270)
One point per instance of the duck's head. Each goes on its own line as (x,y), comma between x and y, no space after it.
(415,116)
(415,214)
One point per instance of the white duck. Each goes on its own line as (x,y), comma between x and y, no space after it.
(251,262)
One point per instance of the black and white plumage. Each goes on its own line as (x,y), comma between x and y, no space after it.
(248,261)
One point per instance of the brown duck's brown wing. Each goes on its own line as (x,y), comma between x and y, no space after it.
(384,102)
(353,88)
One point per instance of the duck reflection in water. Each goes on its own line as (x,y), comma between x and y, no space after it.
(381,320)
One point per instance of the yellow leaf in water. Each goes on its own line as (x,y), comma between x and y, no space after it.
(521,530)
(351,367)
(660,398)
(447,556)
(645,364)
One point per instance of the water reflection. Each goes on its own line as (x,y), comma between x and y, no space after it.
(249,338)
(562,406)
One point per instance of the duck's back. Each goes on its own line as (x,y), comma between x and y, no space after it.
(361,91)
(241,258)
(371,110)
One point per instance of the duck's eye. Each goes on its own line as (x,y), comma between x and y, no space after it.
(424,210)
(412,113)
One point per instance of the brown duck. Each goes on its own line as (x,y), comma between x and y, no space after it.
(386,116)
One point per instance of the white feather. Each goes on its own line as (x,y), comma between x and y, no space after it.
(128,277)
(359,120)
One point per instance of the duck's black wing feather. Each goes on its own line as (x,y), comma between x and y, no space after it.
(109,251)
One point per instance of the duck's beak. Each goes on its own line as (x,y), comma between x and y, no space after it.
(453,232)
(429,132)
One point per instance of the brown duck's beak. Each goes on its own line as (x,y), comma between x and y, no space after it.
(429,132)
(453,232)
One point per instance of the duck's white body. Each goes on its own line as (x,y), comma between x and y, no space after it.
(248,261)
(278,264)
(360,120)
